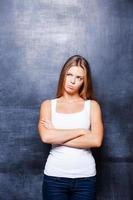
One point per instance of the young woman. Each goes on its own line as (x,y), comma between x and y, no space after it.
(72,123)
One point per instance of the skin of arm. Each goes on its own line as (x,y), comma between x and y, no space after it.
(51,135)
(95,135)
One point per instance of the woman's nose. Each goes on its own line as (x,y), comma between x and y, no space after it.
(72,80)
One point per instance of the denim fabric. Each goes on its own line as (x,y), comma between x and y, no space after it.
(60,188)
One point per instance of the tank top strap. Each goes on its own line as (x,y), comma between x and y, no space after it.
(53,106)
(88,106)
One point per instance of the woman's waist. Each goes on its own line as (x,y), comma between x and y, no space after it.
(62,149)
(66,156)
(71,162)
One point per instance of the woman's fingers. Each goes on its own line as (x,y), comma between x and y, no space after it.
(44,122)
(47,123)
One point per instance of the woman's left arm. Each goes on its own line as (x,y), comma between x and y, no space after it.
(93,137)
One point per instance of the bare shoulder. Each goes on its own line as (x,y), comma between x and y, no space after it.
(95,105)
(96,114)
(45,106)
(45,103)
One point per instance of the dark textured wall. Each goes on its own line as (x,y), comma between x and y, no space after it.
(36,37)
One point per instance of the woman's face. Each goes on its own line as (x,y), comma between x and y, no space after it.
(74,79)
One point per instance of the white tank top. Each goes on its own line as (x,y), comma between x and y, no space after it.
(64,161)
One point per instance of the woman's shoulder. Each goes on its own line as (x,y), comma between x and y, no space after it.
(94,104)
(45,108)
(46,103)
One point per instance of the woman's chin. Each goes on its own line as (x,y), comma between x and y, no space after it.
(70,92)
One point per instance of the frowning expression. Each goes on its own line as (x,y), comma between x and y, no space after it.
(74,79)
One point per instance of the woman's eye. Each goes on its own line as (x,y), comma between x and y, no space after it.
(79,77)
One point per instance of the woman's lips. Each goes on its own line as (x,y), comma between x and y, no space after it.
(70,87)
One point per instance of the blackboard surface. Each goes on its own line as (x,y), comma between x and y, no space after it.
(36,37)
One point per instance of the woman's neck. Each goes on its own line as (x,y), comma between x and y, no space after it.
(70,99)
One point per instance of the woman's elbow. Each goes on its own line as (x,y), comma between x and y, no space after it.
(44,139)
(98,143)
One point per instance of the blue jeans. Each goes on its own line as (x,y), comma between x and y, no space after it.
(61,188)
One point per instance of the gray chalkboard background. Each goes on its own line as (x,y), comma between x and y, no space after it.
(36,38)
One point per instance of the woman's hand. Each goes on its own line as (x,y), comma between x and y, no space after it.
(84,131)
(48,124)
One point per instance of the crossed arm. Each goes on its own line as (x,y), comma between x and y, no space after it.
(77,138)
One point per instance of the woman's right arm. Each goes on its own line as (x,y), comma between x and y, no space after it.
(52,135)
